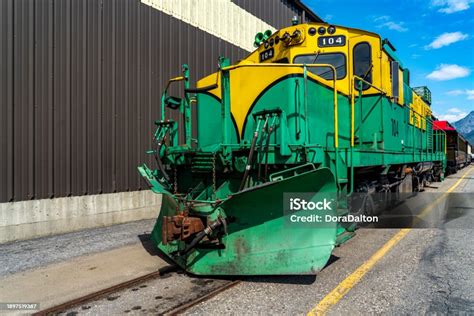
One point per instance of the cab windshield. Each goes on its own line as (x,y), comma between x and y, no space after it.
(338,60)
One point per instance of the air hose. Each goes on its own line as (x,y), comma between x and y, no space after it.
(159,162)
(250,158)
(260,148)
(272,126)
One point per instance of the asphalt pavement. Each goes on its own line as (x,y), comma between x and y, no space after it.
(35,253)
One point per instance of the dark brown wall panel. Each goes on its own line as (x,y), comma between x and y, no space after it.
(80,85)
(23,95)
(62,98)
(43,98)
(6,100)
(79,79)
(108,96)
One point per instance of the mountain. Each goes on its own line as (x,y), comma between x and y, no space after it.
(465,126)
(470,137)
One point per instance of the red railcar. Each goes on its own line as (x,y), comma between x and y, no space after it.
(456,147)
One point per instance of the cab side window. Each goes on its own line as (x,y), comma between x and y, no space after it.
(362,56)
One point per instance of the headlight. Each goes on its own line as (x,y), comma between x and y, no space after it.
(321,30)
(312,31)
(331,29)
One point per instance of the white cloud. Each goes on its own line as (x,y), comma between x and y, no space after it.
(385,21)
(394,26)
(448,72)
(382,18)
(450,117)
(452,6)
(446,39)
(328,17)
(455,92)
(468,93)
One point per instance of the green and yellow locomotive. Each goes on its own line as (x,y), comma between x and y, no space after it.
(315,108)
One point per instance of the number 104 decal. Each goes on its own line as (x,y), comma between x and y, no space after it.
(267,54)
(327,41)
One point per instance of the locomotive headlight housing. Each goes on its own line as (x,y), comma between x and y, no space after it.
(286,38)
(312,31)
(331,29)
(321,30)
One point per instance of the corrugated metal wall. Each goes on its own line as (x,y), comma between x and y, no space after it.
(80,84)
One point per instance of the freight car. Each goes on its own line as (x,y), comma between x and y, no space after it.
(457,147)
(315,108)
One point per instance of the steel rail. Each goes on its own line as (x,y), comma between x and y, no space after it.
(104,292)
(130,283)
(184,307)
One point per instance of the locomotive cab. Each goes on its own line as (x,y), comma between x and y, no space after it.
(350,51)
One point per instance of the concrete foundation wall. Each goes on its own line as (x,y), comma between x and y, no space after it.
(37,218)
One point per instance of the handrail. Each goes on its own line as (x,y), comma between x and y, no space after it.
(304,66)
(445,140)
(202,89)
(370,84)
(180,78)
(353,102)
(273,65)
(209,87)
(334,80)
(185,105)
(428,120)
(165,93)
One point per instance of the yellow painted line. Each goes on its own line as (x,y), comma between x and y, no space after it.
(459,181)
(435,202)
(348,283)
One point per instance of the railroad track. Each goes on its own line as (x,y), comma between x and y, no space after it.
(184,307)
(176,310)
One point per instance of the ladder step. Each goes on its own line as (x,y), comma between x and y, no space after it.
(202,162)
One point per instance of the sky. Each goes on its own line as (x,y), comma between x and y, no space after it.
(434,40)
